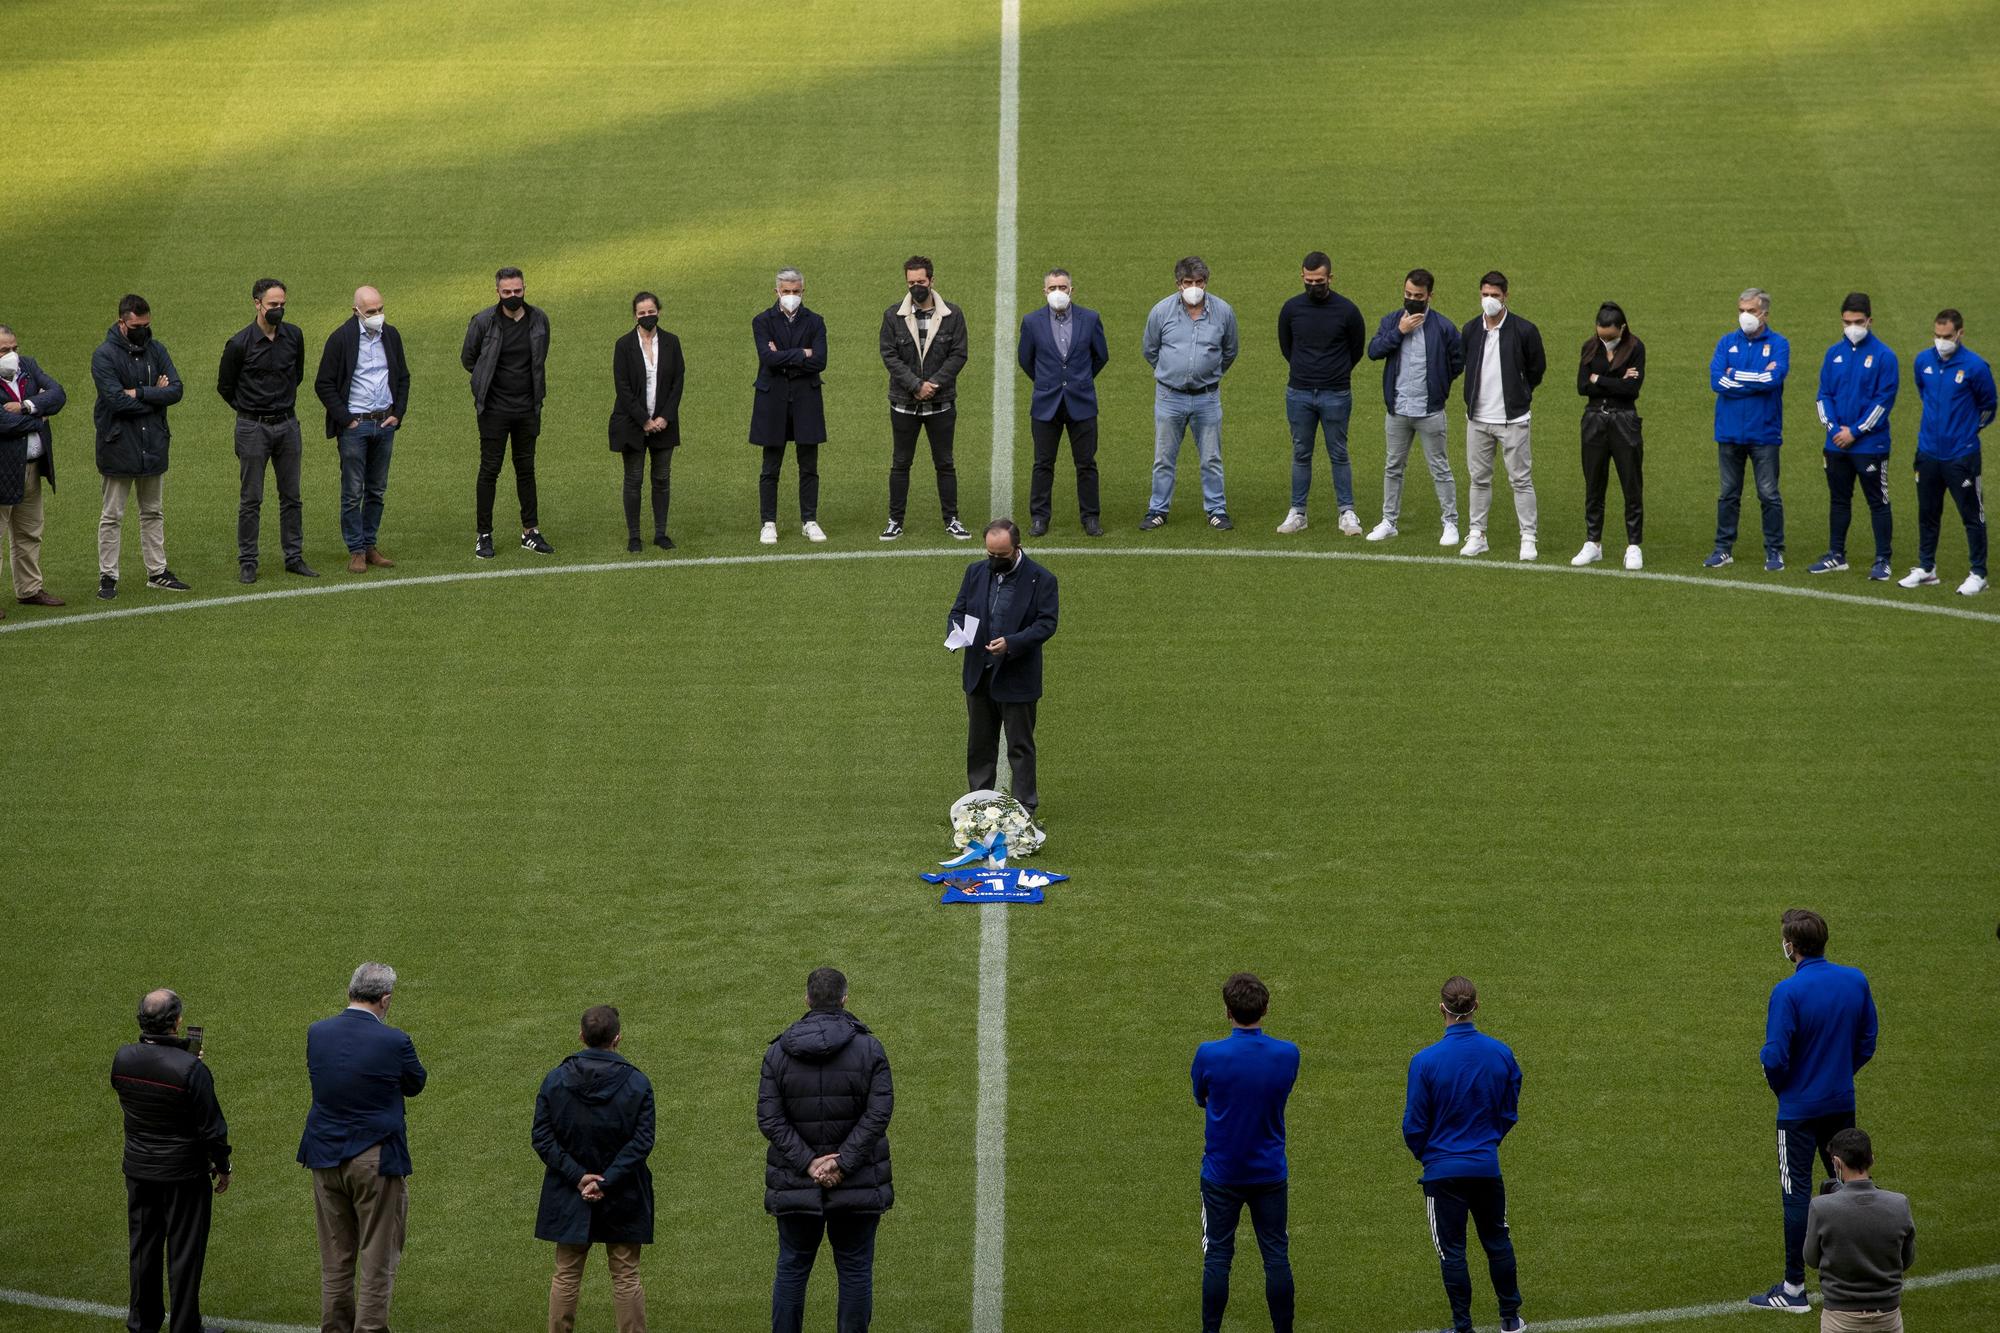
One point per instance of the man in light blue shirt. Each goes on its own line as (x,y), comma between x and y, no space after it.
(1190,344)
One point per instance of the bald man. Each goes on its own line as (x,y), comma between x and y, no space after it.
(176,1160)
(365,384)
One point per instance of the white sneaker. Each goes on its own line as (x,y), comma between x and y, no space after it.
(1528,551)
(1634,560)
(1450,537)
(1383,531)
(1918,578)
(1475,544)
(1350,526)
(1295,521)
(768,534)
(1589,555)
(813,531)
(1973,583)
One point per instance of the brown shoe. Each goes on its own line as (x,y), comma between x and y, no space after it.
(357,563)
(380,561)
(41,599)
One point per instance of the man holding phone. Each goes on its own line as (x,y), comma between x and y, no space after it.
(1421,354)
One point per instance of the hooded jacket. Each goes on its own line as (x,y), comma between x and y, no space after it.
(825,1089)
(132,433)
(594,1116)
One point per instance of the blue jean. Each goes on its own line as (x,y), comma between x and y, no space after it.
(1763,459)
(852,1236)
(1173,413)
(1483,1199)
(1221,1207)
(1329,409)
(364,479)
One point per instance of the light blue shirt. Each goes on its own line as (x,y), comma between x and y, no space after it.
(1188,353)
(1413,388)
(370,390)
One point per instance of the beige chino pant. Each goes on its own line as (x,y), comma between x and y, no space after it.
(152,523)
(23,525)
(363,1217)
(1482,442)
(628,1298)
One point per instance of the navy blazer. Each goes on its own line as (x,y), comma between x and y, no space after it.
(361,1070)
(1065,382)
(1031,622)
(336,374)
(40,388)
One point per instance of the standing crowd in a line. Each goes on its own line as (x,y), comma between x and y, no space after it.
(824,1102)
(1190,341)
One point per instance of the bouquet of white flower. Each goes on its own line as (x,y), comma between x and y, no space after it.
(979,818)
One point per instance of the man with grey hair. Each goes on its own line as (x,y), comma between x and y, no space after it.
(1747,374)
(361,1070)
(791,353)
(176,1161)
(1190,343)
(29,396)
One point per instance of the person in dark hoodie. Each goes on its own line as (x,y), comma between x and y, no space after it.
(824,1101)
(593,1131)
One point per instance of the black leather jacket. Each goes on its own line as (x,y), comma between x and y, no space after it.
(173,1125)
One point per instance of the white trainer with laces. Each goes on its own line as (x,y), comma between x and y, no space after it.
(1475,544)
(1450,537)
(1350,526)
(1382,531)
(1591,553)
(1974,583)
(813,531)
(1295,521)
(1918,578)
(1529,551)
(1633,559)
(768,534)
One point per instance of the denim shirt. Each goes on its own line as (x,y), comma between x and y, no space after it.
(1187,353)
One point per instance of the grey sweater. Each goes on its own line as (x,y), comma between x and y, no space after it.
(1862,1240)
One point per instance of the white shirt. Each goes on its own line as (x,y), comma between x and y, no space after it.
(1491,407)
(649,348)
(28,405)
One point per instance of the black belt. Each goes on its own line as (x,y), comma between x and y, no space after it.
(1608,410)
(382,415)
(1175,388)
(265,418)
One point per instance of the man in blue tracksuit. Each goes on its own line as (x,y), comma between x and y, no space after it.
(1819,1030)
(1242,1081)
(1747,374)
(1464,1095)
(1857,387)
(1955,385)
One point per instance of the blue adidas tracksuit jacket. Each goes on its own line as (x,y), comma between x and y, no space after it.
(1748,376)
(1242,1081)
(1958,401)
(1857,387)
(1464,1095)
(1820,1029)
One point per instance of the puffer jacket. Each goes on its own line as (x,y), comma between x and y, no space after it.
(174,1128)
(825,1089)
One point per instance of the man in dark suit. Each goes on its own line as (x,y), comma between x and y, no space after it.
(364,384)
(791,353)
(176,1161)
(1014,600)
(1062,350)
(29,396)
(646,376)
(361,1070)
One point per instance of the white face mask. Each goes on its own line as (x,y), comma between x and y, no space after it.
(1749,322)
(1492,306)
(10,365)
(1193,295)
(1612,346)
(790,302)
(373,323)
(1945,347)
(1058,300)
(1854,333)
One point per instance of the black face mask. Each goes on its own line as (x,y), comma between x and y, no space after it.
(919,292)
(275,316)
(139,334)
(1414,306)
(649,322)
(1319,291)
(513,302)
(1000,564)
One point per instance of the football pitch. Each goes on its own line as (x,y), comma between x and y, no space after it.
(676,783)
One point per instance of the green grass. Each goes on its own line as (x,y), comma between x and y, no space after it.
(678,790)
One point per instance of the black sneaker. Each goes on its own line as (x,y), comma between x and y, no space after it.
(955,529)
(166,582)
(1151,521)
(633,544)
(483,548)
(893,531)
(247,574)
(531,540)
(1038,527)
(301,568)
(1092,528)
(1220,522)
(107,588)
(663,541)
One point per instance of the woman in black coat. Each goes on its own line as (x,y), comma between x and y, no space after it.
(643,423)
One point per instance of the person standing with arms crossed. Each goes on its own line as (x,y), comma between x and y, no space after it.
(791,353)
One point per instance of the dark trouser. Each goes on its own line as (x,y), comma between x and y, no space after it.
(1611,439)
(1959,477)
(852,1236)
(1221,1205)
(1484,1200)
(1843,469)
(1082,452)
(663,479)
(1798,1141)
(494,432)
(767,482)
(167,1217)
(364,481)
(938,428)
(258,443)
(1763,458)
(985,716)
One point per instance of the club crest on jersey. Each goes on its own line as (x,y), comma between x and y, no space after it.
(1868,363)
(1959,378)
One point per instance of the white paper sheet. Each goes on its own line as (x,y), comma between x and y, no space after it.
(962,637)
